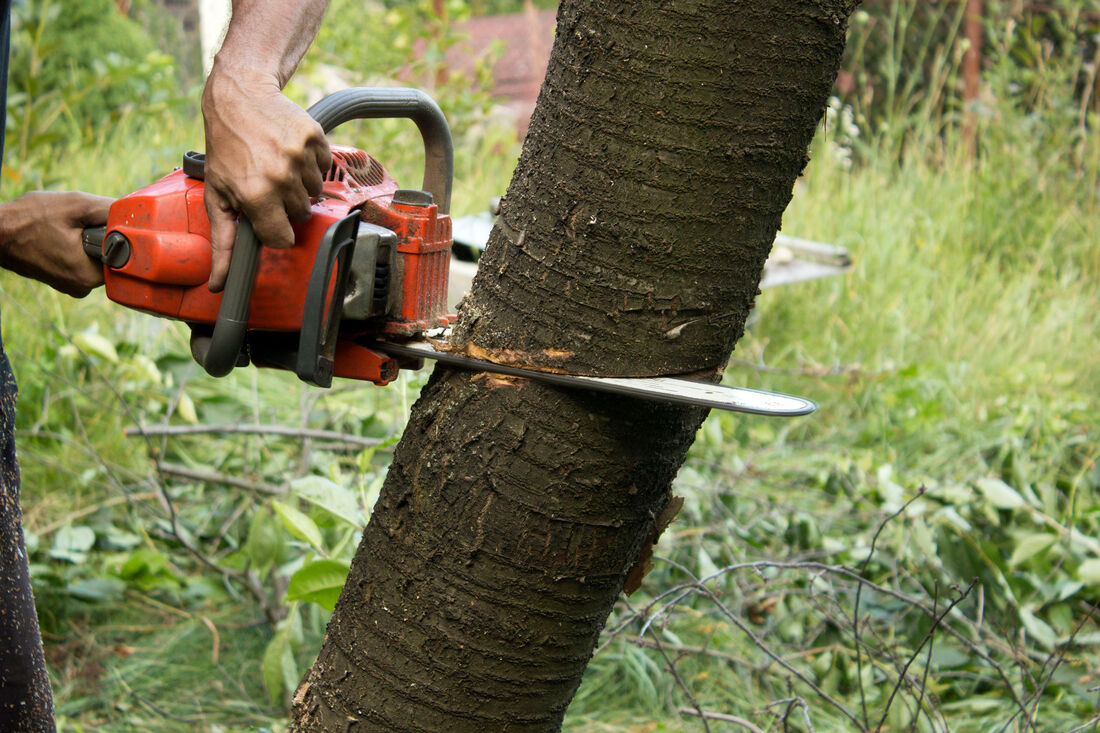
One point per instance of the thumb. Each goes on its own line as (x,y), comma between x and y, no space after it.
(223,230)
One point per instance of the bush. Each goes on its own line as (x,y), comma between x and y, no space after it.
(78,68)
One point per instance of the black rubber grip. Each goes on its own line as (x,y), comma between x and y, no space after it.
(92,239)
(229,330)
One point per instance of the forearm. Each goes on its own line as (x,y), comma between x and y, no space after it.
(265,157)
(268,37)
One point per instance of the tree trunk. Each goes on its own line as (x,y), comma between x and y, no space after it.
(662,152)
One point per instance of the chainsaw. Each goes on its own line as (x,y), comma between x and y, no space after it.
(360,295)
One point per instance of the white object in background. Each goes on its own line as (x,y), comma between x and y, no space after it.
(213,20)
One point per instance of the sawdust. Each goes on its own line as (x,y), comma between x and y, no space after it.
(519,358)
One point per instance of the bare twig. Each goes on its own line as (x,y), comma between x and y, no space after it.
(1054,660)
(1091,723)
(706,714)
(662,603)
(682,685)
(859,593)
(281,430)
(928,636)
(793,702)
(704,651)
(762,646)
(213,477)
(80,513)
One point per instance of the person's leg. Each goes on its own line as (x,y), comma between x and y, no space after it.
(26,705)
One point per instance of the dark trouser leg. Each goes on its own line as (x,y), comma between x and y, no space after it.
(26,705)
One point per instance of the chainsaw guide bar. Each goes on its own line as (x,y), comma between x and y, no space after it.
(660,389)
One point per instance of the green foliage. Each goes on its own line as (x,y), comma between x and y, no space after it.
(79,71)
(903,67)
(184,582)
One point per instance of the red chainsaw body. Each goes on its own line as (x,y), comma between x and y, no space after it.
(169,263)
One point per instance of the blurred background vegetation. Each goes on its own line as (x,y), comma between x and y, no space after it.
(922,554)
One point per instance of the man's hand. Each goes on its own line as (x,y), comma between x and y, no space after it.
(265,157)
(40,238)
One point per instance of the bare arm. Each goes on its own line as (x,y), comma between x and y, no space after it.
(265,156)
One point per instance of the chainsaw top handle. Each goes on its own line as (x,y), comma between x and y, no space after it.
(222,352)
(361,103)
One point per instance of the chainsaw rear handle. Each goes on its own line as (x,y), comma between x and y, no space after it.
(362,103)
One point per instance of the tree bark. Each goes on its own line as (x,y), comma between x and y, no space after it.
(663,149)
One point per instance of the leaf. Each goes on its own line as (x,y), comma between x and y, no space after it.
(1030,546)
(186,409)
(318,582)
(1038,629)
(72,543)
(1089,572)
(100,590)
(93,343)
(339,501)
(1000,494)
(706,566)
(298,524)
(264,545)
(144,561)
(278,656)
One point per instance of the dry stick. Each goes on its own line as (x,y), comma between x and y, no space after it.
(1092,723)
(680,681)
(79,513)
(1055,660)
(305,433)
(927,639)
(689,588)
(704,651)
(684,590)
(733,618)
(924,676)
(794,702)
(882,650)
(859,593)
(697,586)
(725,718)
(916,687)
(254,587)
(213,477)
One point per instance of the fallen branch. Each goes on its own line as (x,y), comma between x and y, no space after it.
(81,513)
(707,715)
(282,430)
(213,477)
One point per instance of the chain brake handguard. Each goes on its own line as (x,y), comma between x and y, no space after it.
(313,357)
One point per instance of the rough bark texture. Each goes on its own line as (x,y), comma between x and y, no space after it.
(663,150)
